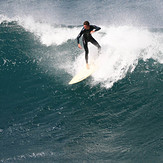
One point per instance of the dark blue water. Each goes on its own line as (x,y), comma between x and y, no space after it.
(113,116)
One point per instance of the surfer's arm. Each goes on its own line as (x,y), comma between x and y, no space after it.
(95,28)
(79,35)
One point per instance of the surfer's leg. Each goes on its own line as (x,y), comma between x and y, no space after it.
(94,42)
(85,44)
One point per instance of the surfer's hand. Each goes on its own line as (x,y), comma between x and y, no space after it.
(92,32)
(79,46)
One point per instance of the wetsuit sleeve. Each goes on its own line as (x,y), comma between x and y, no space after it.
(96,28)
(81,32)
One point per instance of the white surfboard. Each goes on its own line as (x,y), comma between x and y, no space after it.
(83,74)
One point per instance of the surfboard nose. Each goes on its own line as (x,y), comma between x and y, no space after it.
(83,74)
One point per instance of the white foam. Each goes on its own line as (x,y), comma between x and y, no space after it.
(122,47)
(4,18)
(27,156)
(47,33)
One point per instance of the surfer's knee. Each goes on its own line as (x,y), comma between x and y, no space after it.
(86,55)
(86,51)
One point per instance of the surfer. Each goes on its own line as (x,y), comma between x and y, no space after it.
(86,31)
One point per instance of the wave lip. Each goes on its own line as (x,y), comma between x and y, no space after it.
(48,34)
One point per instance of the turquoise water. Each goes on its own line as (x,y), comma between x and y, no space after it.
(113,116)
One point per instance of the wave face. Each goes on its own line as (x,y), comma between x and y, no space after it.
(113,116)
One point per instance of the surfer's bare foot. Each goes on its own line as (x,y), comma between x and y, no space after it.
(87,65)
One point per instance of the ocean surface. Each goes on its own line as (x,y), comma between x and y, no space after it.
(114,116)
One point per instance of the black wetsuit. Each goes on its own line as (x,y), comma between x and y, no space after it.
(87,37)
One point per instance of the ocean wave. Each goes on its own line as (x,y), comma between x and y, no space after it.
(122,48)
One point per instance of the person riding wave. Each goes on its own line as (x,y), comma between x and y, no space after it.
(87,31)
